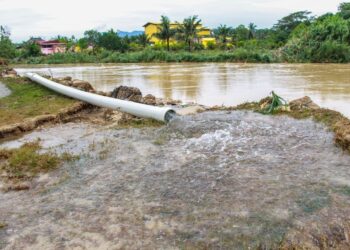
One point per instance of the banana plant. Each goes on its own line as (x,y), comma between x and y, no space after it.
(276,103)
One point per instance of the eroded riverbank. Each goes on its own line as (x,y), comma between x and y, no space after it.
(216,179)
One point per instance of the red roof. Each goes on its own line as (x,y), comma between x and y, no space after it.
(51,42)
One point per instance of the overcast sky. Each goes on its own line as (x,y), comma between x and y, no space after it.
(47,18)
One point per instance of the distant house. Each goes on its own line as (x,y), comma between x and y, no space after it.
(204,34)
(51,47)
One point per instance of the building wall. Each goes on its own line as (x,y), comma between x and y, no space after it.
(207,40)
(48,50)
(152,28)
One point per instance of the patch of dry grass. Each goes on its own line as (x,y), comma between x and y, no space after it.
(27,161)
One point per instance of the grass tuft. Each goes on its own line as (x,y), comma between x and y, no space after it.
(140,123)
(27,161)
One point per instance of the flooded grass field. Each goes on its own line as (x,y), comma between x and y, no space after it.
(220,180)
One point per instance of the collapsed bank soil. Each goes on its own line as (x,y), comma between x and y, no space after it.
(213,180)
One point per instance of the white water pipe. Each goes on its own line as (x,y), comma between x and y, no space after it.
(163,114)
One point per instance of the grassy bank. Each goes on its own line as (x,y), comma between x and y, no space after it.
(28,100)
(150,55)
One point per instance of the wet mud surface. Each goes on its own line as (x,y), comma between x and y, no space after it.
(214,180)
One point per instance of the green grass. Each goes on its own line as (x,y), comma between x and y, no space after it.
(151,55)
(140,123)
(27,100)
(28,161)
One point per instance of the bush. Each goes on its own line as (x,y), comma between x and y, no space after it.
(326,40)
(211,45)
(7,49)
(152,55)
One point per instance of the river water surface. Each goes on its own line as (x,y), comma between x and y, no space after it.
(219,83)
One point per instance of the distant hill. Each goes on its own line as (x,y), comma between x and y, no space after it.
(132,33)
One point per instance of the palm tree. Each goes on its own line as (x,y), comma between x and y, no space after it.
(143,40)
(222,32)
(252,29)
(188,30)
(165,32)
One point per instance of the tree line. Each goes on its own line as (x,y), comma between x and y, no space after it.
(298,37)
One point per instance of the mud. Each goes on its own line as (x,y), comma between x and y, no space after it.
(219,180)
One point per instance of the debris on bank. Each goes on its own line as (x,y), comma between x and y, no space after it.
(273,103)
(8,73)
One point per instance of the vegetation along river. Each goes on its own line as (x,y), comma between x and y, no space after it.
(219,83)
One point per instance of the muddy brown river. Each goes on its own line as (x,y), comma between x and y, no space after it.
(219,83)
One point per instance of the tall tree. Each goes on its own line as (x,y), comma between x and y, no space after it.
(222,33)
(252,30)
(111,41)
(7,48)
(241,33)
(188,31)
(92,37)
(31,48)
(287,24)
(143,40)
(165,32)
(344,10)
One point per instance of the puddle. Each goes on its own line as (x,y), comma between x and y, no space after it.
(216,180)
(4,91)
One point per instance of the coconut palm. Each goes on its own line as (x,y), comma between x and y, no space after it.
(188,30)
(143,40)
(165,33)
(252,30)
(222,32)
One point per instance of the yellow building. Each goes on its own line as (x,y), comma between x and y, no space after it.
(151,29)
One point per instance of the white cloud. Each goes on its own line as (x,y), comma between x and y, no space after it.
(67,17)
